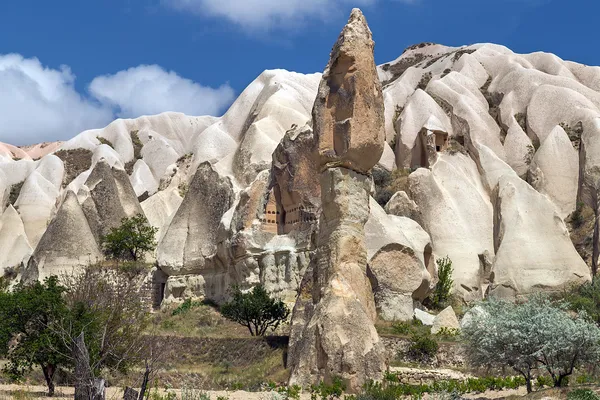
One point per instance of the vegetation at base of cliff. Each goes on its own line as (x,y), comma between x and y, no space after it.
(441,295)
(534,335)
(391,388)
(255,310)
(586,298)
(132,240)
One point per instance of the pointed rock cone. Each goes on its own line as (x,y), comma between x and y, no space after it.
(333,333)
(67,243)
(348,112)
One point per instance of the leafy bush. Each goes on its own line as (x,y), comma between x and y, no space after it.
(328,391)
(422,346)
(401,328)
(543,380)
(392,389)
(255,310)
(186,306)
(526,336)
(130,241)
(586,298)
(583,394)
(448,333)
(441,294)
(194,394)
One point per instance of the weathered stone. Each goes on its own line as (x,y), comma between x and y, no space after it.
(339,338)
(67,243)
(106,198)
(191,239)
(402,206)
(445,319)
(424,317)
(395,273)
(348,112)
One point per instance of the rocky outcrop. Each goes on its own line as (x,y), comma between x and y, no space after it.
(348,111)
(339,338)
(457,213)
(16,249)
(446,319)
(534,251)
(67,243)
(402,206)
(190,242)
(401,266)
(106,198)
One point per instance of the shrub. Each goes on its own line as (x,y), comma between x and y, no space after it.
(542,381)
(185,307)
(401,328)
(441,294)
(255,310)
(328,391)
(130,241)
(193,394)
(536,333)
(583,394)
(391,389)
(585,298)
(422,346)
(448,333)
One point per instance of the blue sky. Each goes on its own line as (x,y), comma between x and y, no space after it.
(69,65)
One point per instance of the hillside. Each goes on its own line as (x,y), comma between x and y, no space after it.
(492,153)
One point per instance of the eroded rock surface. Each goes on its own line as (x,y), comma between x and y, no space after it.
(339,338)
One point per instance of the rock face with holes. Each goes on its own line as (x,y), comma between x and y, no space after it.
(338,336)
(492,158)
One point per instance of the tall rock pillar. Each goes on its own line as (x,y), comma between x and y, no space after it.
(333,333)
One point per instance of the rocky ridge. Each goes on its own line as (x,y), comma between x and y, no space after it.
(498,151)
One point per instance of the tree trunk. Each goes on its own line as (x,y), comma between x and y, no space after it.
(560,381)
(144,382)
(86,386)
(49,371)
(528,383)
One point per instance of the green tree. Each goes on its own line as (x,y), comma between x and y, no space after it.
(255,310)
(29,336)
(441,294)
(534,334)
(130,241)
(586,298)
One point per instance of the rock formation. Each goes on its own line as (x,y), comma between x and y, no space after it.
(189,245)
(67,243)
(339,338)
(491,158)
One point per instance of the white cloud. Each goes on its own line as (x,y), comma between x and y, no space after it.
(38,103)
(267,14)
(149,89)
